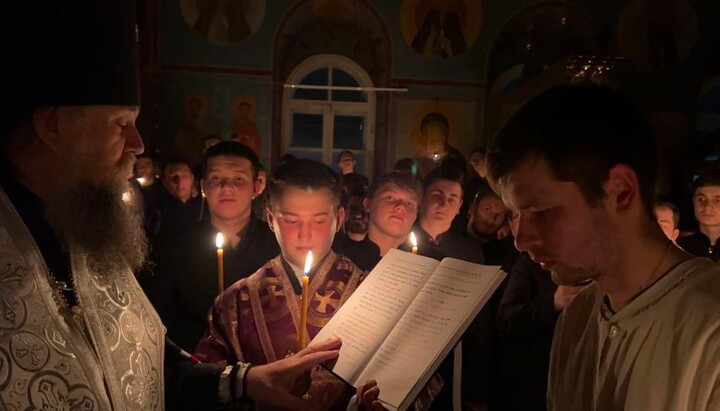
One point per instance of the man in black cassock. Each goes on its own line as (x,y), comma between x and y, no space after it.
(186,272)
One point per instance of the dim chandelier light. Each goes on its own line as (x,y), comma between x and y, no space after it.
(594,69)
(345,88)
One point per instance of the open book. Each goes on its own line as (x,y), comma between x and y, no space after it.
(402,321)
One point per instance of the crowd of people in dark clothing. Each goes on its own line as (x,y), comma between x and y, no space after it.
(625,320)
(452,211)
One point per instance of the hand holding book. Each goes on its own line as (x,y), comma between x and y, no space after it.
(404,319)
(368,397)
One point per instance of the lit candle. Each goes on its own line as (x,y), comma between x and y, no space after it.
(413,241)
(302,338)
(219,240)
(202,204)
(141,181)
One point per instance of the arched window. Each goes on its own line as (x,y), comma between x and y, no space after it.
(324,114)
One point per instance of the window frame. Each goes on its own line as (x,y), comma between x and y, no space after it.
(330,108)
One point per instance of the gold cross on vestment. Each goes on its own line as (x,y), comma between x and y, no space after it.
(272,294)
(325,300)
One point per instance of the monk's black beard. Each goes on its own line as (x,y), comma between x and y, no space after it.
(94,217)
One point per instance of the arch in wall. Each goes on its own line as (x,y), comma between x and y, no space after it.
(345,119)
(357,33)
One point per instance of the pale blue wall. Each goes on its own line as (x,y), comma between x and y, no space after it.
(178,45)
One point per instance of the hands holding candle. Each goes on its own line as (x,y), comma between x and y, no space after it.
(219,240)
(413,241)
(302,337)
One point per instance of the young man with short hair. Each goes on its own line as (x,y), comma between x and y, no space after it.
(256,319)
(578,165)
(185,282)
(439,205)
(668,217)
(706,203)
(392,205)
(179,211)
(346,164)
(486,216)
(178,179)
(441,202)
(475,184)
(489,224)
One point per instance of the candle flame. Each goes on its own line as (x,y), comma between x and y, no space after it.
(141,181)
(308,262)
(413,239)
(219,240)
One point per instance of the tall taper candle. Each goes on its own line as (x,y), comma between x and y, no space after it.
(219,240)
(302,337)
(202,204)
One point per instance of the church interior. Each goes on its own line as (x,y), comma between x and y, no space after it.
(253,67)
(478,205)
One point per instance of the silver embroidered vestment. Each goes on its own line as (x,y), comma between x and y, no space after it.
(46,361)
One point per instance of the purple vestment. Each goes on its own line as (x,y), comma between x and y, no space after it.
(255,320)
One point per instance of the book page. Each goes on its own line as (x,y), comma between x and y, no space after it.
(432,324)
(375,307)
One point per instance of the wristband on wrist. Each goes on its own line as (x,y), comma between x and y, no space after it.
(245,369)
(233,381)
